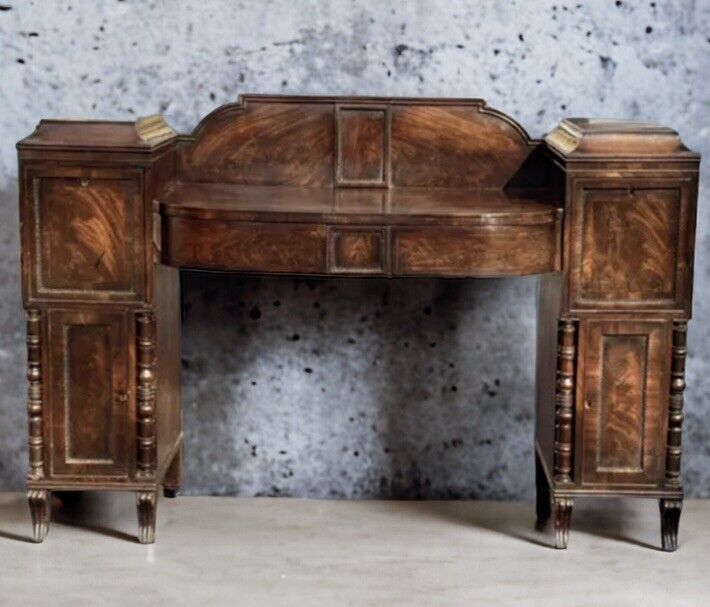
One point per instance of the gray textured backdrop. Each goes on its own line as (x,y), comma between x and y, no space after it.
(354,388)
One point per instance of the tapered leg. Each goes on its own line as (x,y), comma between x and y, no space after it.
(146,502)
(38,500)
(562,512)
(543,505)
(670,518)
(173,477)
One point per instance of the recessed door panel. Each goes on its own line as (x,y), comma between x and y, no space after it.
(624,406)
(89,392)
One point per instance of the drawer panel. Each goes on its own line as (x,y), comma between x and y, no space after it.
(243,247)
(357,250)
(476,251)
(85,234)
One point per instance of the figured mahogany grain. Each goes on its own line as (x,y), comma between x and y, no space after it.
(264,144)
(85,224)
(475,251)
(624,401)
(83,234)
(630,244)
(357,250)
(89,372)
(356,186)
(245,247)
(455,146)
(362,146)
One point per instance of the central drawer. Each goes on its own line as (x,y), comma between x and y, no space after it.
(373,250)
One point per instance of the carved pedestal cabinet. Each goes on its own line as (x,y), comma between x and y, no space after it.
(604,211)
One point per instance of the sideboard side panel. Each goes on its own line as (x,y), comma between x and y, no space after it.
(168,344)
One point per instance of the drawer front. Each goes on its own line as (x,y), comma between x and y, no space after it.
(357,250)
(85,234)
(90,423)
(476,251)
(245,247)
(624,395)
(631,245)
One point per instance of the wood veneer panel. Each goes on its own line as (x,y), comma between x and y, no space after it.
(478,251)
(358,250)
(88,392)
(264,143)
(624,400)
(225,245)
(630,244)
(362,146)
(84,235)
(455,146)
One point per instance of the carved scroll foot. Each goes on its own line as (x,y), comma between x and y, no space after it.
(670,518)
(173,477)
(562,511)
(146,503)
(543,505)
(38,500)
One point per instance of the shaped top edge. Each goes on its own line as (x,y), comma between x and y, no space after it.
(354,100)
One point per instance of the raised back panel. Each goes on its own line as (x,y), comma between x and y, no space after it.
(455,145)
(338,141)
(263,143)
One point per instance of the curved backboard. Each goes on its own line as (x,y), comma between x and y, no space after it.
(355,142)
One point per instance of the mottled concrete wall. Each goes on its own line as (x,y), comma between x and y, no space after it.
(354,388)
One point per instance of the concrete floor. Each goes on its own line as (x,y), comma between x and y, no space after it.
(234,551)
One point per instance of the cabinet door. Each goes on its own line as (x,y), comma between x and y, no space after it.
(85,234)
(89,392)
(624,394)
(632,244)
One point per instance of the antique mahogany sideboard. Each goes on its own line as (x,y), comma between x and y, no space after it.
(604,211)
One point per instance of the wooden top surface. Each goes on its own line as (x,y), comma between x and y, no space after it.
(585,138)
(145,134)
(233,202)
